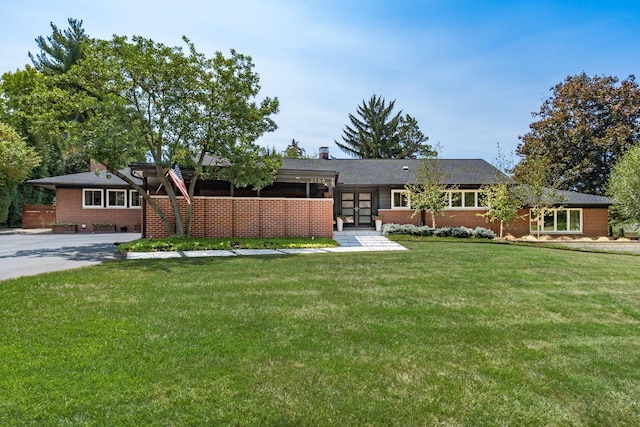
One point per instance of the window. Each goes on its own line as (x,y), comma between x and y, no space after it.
(116,198)
(464,198)
(558,221)
(134,199)
(400,199)
(91,198)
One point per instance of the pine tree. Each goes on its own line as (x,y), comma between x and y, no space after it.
(376,133)
(61,50)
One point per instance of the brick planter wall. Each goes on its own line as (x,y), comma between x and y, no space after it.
(249,217)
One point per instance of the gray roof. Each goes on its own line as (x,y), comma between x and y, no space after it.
(400,171)
(573,198)
(85,179)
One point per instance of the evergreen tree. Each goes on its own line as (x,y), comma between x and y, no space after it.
(376,133)
(61,50)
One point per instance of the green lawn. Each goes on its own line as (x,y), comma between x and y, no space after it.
(446,334)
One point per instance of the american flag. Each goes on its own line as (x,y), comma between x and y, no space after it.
(176,177)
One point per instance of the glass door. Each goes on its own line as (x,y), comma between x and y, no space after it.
(356,207)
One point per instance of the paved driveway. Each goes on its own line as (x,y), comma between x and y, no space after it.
(29,254)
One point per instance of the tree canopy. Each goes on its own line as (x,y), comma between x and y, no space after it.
(16,162)
(583,128)
(144,99)
(376,132)
(624,184)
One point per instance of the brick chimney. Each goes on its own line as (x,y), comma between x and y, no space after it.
(323,153)
(93,166)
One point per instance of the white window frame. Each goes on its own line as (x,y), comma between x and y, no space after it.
(393,198)
(555,222)
(131,194)
(476,199)
(98,190)
(110,206)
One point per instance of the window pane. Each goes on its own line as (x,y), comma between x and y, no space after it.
(347,196)
(364,212)
(470,199)
(561,220)
(135,198)
(549,221)
(364,196)
(574,220)
(364,203)
(533,225)
(347,204)
(400,199)
(93,198)
(116,198)
(456,199)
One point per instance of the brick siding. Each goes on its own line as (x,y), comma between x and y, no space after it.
(69,209)
(595,221)
(249,217)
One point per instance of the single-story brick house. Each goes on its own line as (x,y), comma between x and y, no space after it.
(308,195)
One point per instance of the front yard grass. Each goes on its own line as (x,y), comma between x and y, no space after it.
(455,334)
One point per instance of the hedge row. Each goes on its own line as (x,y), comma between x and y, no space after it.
(461,232)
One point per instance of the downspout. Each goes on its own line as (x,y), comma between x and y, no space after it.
(144,209)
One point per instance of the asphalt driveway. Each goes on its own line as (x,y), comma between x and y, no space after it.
(29,254)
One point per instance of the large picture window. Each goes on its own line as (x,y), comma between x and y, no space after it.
(558,221)
(116,198)
(92,198)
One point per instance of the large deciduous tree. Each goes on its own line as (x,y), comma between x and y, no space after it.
(159,102)
(376,132)
(583,128)
(624,185)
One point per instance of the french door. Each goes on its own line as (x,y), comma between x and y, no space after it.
(356,206)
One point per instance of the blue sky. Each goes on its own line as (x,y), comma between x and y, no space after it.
(471,72)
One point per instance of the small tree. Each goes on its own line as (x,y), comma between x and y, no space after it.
(502,204)
(538,188)
(624,184)
(427,192)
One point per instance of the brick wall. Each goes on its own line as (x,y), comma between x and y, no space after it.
(594,221)
(69,209)
(249,217)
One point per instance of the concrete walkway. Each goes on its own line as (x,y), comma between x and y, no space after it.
(350,241)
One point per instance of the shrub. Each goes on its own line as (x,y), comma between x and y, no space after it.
(462,232)
(425,231)
(442,232)
(483,233)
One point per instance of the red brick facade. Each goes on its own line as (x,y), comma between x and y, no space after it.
(69,209)
(249,217)
(595,221)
